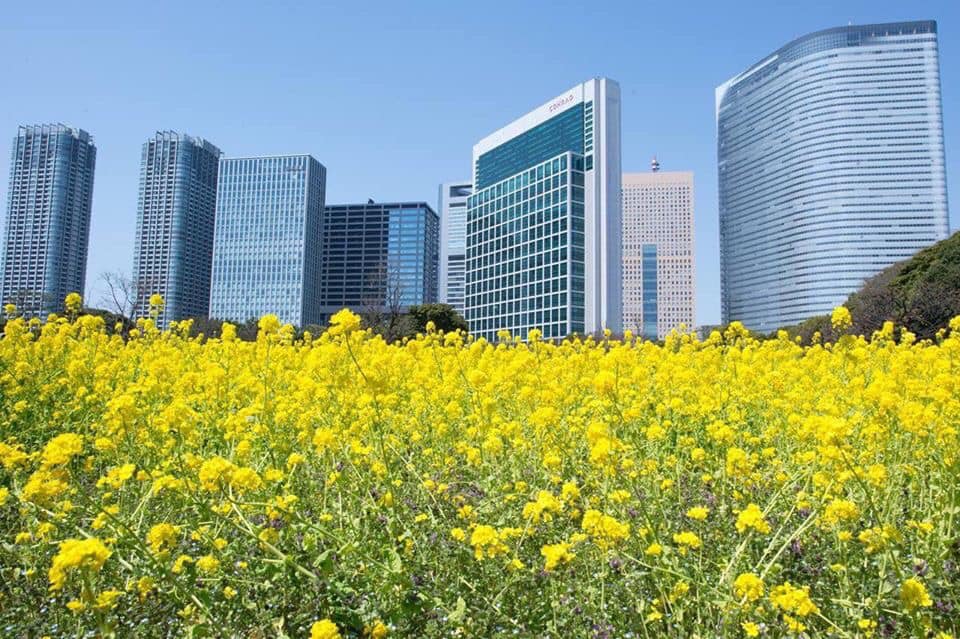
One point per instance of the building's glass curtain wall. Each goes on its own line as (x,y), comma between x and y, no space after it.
(831,168)
(48,218)
(543,248)
(649,291)
(268,236)
(175,217)
(453,242)
(526,256)
(382,256)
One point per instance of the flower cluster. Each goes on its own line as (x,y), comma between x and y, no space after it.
(335,485)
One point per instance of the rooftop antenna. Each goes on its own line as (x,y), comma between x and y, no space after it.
(654,164)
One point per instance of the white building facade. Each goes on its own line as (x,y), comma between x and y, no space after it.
(543,234)
(658,263)
(452,205)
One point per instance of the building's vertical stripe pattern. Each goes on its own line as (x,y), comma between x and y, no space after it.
(266,256)
(453,242)
(831,167)
(48,217)
(175,220)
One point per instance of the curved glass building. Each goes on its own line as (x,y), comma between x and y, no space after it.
(831,168)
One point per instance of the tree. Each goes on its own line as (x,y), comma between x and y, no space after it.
(125,295)
(383,308)
(444,317)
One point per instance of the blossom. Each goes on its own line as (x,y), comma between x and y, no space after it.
(686,540)
(556,554)
(698,513)
(751,518)
(162,536)
(343,322)
(605,530)
(913,594)
(324,629)
(793,600)
(748,587)
(840,318)
(61,449)
(75,554)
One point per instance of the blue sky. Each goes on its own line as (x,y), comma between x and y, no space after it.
(392,96)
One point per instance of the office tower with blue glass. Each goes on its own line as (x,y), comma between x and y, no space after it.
(831,168)
(175,218)
(453,241)
(48,217)
(379,256)
(658,266)
(266,248)
(544,220)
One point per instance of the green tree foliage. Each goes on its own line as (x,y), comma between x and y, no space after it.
(444,317)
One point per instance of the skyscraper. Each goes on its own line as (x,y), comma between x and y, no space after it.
(48,217)
(175,213)
(544,222)
(453,241)
(658,284)
(379,256)
(266,249)
(831,168)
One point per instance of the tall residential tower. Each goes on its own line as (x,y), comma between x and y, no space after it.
(175,212)
(453,241)
(658,282)
(831,168)
(544,223)
(266,255)
(48,217)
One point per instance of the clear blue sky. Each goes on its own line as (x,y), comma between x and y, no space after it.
(391,96)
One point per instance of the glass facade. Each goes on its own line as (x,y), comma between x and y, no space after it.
(562,132)
(48,217)
(453,242)
(831,168)
(525,252)
(175,217)
(379,255)
(266,255)
(543,232)
(649,291)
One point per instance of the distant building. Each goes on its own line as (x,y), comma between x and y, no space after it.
(175,213)
(453,241)
(658,271)
(266,249)
(48,217)
(831,168)
(379,255)
(543,223)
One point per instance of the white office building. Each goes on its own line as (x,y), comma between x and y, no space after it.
(544,221)
(658,267)
(452,205)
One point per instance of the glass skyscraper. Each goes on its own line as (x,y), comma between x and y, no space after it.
(175,217)
(48,217)
(831,168)
(266,249)
(379,255)
(544,221)
(453,241)
(658,282)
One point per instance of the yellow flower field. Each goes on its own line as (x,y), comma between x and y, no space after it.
(338,486)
